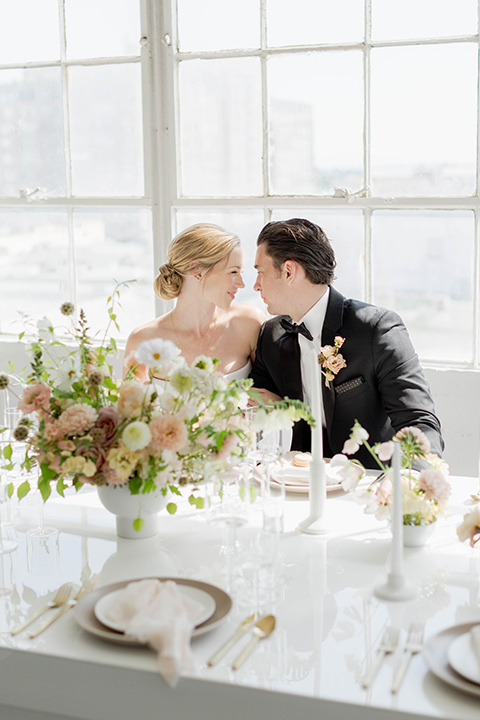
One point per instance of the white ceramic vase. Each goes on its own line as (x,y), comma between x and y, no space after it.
(417,535)
(118,500)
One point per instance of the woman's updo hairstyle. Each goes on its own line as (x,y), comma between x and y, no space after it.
(199,247)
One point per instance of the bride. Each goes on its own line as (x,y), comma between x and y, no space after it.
(203,273)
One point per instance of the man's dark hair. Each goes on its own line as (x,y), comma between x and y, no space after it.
(304,242)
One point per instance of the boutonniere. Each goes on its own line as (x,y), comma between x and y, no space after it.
(330,360)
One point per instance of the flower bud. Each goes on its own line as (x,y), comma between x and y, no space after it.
(67,308)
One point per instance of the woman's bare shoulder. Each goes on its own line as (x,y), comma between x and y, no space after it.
(150,330)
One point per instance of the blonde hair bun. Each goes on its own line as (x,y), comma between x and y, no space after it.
(168,282)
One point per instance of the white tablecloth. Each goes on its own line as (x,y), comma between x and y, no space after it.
(329,622)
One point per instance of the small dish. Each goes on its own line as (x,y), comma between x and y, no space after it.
(205,600)
(463,659)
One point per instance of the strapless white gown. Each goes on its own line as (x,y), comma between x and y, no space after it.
(240,374)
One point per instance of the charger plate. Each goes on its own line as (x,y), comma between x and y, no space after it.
(435,654)
(84,610)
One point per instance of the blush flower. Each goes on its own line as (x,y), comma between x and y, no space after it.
(435,486)
(107,422)
(77,419)
(34,397)
(470,527)
(384,451)
(169,433)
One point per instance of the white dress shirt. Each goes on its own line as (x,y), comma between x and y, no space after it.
(313,320)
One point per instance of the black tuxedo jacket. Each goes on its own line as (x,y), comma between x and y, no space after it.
(383,385)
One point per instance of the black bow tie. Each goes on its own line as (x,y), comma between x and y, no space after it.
(294,329)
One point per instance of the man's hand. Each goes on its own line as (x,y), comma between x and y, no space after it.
(266,396)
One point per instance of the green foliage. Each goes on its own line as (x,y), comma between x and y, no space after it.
(138,524)
(171,508)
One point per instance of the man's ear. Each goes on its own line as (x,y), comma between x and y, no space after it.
(290,269)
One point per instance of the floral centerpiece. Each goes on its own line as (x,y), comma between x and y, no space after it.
(81,425)
(425,491)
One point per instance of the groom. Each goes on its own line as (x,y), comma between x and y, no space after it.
(382,385)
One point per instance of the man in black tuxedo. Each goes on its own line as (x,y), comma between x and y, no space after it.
(382,385)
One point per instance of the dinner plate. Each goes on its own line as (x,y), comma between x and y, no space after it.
(303,488)
(463,659)
(435,654)
(203,599)
(84,614)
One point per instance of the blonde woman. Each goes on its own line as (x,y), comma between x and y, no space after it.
(204,273)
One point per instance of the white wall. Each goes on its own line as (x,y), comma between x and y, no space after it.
(456,394)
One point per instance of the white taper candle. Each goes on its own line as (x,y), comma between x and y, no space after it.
(397,513)
(316,405)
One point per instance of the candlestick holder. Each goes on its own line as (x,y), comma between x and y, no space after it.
(397,586)
(314,524)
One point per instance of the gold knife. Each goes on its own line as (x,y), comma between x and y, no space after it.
(241,630)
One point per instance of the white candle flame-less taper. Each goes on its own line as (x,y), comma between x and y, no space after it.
(317,491)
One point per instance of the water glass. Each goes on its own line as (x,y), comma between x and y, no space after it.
(273,503)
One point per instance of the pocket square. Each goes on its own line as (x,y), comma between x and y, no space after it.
(349,385)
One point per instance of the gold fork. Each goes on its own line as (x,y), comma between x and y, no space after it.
(62,596)
(388,644)
(413,645)
(87,586)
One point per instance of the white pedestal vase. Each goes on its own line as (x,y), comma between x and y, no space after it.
(118,500)
(417,535)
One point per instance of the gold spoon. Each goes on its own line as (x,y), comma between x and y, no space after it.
(62,596)
(262,630)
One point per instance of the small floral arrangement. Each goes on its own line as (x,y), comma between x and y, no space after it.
(469,529)
(81,425)
(425,492)
(330,360)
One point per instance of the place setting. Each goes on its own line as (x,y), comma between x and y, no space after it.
(453,655)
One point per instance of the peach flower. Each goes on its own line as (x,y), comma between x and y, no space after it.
(131,398)
(77,419)
(435,486)
(335,363)
(34,397)
(169,433)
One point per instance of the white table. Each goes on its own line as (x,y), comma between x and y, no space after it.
(328,620)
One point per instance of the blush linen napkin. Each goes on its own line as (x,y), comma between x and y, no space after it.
(159,614)
(297,476)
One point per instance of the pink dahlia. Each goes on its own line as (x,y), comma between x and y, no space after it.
(34,397)
(77,419)
(168,433)
(106,425)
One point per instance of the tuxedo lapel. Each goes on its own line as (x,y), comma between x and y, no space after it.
(333,321)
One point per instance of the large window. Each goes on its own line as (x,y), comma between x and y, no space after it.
(125,121)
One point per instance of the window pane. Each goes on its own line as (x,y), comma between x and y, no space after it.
(106,130)
(247,225)
(102,29)
(218,25)
(424,120)
(29,31)
(113,246)
(312,22)
(31,132)
(345,232)
(34,272)
(400,19)
(423,269)
(315,122)
(221,127)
